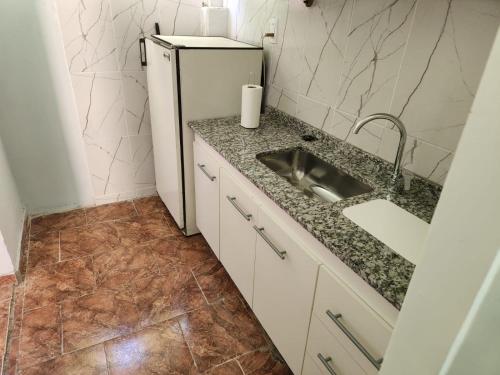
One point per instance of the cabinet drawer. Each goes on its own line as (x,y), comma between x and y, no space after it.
(206,178)
(311,368)
(345,314)
(285,279)
(336,359)
(237,236)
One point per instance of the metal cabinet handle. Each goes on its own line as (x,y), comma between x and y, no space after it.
(261,233)
(232,200)
(202,167)
(326,362)
(166,55)
(362,349)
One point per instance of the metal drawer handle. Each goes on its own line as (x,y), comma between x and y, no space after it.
(166,55)
(238,208)
(202,167)
(336,320)
(261,233)
(326,362)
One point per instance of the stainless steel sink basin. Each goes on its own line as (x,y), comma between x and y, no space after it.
(315,177)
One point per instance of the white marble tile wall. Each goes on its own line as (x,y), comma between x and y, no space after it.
(341,59)
(101,43)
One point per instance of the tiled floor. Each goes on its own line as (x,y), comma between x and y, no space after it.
(117,289)
(6,293)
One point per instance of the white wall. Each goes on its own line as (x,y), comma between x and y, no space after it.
(39,123)
(102,54)
(12,216)
(463,240)
(340,59)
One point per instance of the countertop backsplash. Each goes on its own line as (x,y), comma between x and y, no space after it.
(340,60)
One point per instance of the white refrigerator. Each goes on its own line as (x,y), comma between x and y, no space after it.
(191,78)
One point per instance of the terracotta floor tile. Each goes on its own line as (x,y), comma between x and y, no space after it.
(221,331)
(159,298)
(215,281)
(13,355)
(113,211)
(6,289)
(119,284)
(130,231)
(173,225)
(142,229)
(56,282)
(40,337)
(150,204)
(174,251)
(228,368)
(263,362)
(91,361)
(43,249)
(115,269)
(4,324)
(58,221)
(155,226)
(18,310)
(98,317)
(158,349)
(88,240)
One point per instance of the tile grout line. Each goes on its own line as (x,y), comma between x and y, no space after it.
(240,366)
(108,368)
(187,344)
(60,252)
(62,329)
(198,284)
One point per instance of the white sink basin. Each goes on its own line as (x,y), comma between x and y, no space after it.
(401,231)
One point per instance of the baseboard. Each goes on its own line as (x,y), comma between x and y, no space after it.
(23,240)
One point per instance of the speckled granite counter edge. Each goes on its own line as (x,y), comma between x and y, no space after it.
(386,271)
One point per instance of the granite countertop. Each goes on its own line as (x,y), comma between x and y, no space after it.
(380,267)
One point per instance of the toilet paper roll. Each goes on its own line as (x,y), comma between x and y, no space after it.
(251,98)
(214,21)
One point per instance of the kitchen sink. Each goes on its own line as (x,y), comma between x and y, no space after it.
(314,177)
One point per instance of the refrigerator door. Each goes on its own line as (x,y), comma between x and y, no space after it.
(210,81)
(163,104)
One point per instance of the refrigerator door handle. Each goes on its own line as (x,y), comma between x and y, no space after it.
(142,52)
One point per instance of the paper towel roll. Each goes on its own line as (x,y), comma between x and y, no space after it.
(251,97)
(215,3)
(214,21)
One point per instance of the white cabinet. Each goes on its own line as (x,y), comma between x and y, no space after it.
(206,177)
(328,354)
(237,237)
(322,317)
(361,330)
(285,279)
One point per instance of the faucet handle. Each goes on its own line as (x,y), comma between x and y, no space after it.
(407,177)
(401,182)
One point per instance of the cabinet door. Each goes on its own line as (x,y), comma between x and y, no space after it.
(285,278)
(329,355)
(237,236)
(206,179)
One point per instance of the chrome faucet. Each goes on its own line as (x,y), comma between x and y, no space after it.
(402,138)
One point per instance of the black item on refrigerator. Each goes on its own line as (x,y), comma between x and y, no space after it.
(142,46)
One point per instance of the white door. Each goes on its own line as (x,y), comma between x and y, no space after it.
(237,236)
(206,183)
(162,87)
(284,284)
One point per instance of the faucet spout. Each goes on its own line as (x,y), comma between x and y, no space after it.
(402,137)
